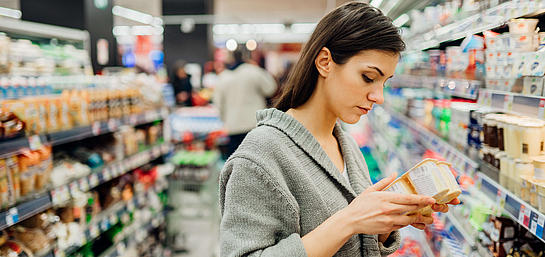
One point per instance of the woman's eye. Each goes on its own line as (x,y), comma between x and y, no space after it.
(367,79)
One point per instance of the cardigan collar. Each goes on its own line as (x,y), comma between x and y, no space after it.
(306,141)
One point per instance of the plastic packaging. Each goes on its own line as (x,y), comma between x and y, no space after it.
(522,26)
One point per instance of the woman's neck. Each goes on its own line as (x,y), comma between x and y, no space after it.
(316,116)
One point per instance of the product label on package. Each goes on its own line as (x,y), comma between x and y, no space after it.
(533,225)
(539,173)
(422,178)
(540,225)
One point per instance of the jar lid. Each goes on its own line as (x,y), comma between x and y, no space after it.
(523,161)
(540,159)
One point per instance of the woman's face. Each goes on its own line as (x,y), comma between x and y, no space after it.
(352,89)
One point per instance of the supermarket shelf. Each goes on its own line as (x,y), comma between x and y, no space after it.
(420,237)
(44,30)
(393,150)
(490,171)
(24,211)
(513,103)
(376,156)
(114,170)
(489,19)
(104,127)
(136,235)
(519,210)
(17,145)
(466,241)
(459,160)
(451,86)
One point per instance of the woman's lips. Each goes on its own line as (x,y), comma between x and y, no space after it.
(363,110)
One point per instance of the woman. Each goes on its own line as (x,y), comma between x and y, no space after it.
(298,185)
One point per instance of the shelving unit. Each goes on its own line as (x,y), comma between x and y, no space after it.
(460,161)
(458,231)
(477,23)
(518,104)
(516,208)
(462,88)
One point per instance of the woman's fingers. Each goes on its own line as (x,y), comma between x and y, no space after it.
(419,226)
(440,208)
(426,220)
(379,186)
(455,201)
(409,199)
(405,220)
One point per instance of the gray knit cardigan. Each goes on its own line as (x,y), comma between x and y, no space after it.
(280,185)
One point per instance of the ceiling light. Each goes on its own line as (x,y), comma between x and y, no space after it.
(132,14)
(231,45)
(10,13)
(376,3)
(121,30)
(141,30)
(401,20)
(302,28)
(389,6)
(233,29)
(251,45)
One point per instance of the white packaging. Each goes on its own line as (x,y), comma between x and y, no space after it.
(524,42)
(533,86)
(537,67)
(491,57)
(501,58)
(522,26)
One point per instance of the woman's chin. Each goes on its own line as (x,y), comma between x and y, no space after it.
(351,119)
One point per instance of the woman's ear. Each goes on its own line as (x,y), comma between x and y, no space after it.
(323,62)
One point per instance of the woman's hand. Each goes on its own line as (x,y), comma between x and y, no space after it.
(428,220)
(375,212)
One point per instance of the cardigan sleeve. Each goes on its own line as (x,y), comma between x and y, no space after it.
(258,219)
(392,244)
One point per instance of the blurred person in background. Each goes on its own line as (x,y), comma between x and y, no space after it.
(181,82)
(240,92)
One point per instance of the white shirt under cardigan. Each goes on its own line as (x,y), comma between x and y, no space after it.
(280,185)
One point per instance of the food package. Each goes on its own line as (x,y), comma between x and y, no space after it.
(29,164)
(84,103)
(14,178)
(46,165)
(153,135)
(53,118)
(14,248)
(4,194)
(36,221)
(12,126)
(430,178)
(65,116)
(34,239)
(41,105)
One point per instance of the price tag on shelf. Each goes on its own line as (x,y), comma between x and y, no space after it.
(113,219)
(83,239)
(12,216)
(501,197)
(93,180)
(521,213)
(84,184)
(55,196)
(121,167)
(133,119)
(541,113)
(35,142)
(540,225)
(115,170)
(93,230)
(130,205)
(59,253)
(112,125)
(479,183)
(508,102)
(104,225)
(95,128)
(150,116)
(120,248)
(107,174)
(65,193)
(533,223)
(74,188)
(488,99)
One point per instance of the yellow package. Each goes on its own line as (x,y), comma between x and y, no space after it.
(84,107)
(52,105)
(41,104)
(65,117)
(4,194)
(14,178)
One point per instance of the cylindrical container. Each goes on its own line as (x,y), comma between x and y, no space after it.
(539,167)
(523,168)
(504,170)
(525,187)
(512,173)
(514,140)
(500,135)
(541,196)
(497,159)
(522,26)
(485,130)
(486,154)
(492,132)
(524,42)
(493,152)
(532,136)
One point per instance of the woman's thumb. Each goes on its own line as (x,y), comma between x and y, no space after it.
(379,186)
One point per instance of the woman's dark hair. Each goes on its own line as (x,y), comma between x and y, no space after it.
(345,31)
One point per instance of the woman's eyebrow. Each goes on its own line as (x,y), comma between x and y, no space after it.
(376,68)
